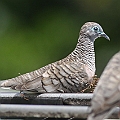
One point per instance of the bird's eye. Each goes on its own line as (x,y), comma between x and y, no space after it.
(95,28)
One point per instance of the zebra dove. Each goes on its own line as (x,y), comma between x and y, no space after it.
(107,93)
(71,74)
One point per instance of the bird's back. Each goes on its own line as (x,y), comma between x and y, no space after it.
(66,75)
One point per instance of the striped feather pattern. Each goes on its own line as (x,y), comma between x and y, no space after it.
(107,93)
(71,74)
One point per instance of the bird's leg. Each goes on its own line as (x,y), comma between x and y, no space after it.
(23,96)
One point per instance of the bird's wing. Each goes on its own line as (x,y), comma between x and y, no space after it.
(60,76)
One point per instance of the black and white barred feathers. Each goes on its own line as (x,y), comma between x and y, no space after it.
(106,95)
(71,74)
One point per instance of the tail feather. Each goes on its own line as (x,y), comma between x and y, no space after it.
(7,84)
(3,84)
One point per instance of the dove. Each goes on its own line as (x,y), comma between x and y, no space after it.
(106,95)
(71,74)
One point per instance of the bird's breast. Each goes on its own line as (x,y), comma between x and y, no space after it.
(89,72)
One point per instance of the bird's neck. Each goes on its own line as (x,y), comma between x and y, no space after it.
(85,51)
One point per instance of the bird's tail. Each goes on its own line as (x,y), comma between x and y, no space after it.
(3,84)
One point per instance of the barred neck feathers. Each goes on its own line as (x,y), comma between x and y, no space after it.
(85,51)
(85,47)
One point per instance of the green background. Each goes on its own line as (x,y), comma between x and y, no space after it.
(34,33)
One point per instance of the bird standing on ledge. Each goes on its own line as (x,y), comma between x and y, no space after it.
(71,74)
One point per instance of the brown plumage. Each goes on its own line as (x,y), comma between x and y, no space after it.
(107,93)
(71,74)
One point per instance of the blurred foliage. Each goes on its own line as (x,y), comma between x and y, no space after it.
(34,33)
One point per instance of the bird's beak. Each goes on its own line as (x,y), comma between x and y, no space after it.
(104,35)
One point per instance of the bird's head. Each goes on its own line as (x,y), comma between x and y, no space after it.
(93,30)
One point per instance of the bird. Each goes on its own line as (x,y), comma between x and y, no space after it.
(106,95)
(71,74)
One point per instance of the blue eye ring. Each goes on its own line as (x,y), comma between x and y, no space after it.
(95,28)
